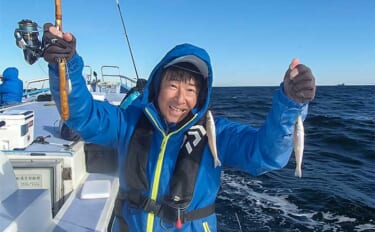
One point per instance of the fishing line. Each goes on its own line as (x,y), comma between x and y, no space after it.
(238,221)
(42,69)
(127,38)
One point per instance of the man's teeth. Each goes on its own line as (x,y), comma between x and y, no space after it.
(176,109)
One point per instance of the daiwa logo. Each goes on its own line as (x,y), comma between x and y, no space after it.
(193,137)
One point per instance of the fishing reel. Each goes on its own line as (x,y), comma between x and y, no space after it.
(27,38)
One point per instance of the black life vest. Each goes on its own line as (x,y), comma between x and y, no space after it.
(182,183)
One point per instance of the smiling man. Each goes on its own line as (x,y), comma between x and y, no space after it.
(179,90)
(168,177)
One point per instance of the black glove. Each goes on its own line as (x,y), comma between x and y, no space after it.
(302,87)
(56,48)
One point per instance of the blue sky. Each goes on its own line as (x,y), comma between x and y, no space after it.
(251,42)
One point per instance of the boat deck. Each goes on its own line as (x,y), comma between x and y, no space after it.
(63,168)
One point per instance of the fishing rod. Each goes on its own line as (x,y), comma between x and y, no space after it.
(64,105)
(127,39)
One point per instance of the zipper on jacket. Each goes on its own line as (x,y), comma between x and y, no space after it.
(158,170)
(206,227)
(156,181)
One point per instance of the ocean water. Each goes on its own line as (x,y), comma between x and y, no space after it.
(337,190)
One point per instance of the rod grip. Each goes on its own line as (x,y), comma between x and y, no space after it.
(63,91)
(62,67)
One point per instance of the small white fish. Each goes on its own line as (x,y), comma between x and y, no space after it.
(299,140)
(211,135)
(299,131)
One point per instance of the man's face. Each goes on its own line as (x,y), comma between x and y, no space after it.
(177,98)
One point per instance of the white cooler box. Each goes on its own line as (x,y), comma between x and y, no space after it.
(17,130)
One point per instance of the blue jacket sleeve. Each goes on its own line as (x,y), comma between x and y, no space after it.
(95,121)
(257,151)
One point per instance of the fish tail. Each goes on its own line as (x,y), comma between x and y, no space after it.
(217,162)
(298,172)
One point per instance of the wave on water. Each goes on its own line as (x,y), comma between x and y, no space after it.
(262,209)
(336,192)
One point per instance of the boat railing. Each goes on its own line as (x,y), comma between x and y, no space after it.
(128,82)
(113,82)
(36,86)
(87,73)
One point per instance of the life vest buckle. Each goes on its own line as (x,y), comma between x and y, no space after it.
(151,206)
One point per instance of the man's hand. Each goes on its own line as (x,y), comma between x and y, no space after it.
(299,83)
(58,45)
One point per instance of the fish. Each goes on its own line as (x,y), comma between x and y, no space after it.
(299,140)
(299,131)
(211,135)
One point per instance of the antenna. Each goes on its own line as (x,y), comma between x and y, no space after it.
(127,38)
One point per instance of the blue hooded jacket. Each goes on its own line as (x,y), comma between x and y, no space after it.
(11,90)
(253,150)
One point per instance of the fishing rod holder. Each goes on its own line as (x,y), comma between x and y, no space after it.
(27,38)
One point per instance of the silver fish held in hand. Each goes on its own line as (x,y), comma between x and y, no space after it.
(299,140)
(211,135)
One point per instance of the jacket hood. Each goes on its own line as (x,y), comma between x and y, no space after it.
(10,74)
(187,53)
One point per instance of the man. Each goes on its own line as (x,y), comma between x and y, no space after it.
(11,90)
(167,174)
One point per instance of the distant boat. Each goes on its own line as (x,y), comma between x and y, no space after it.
(342,84)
